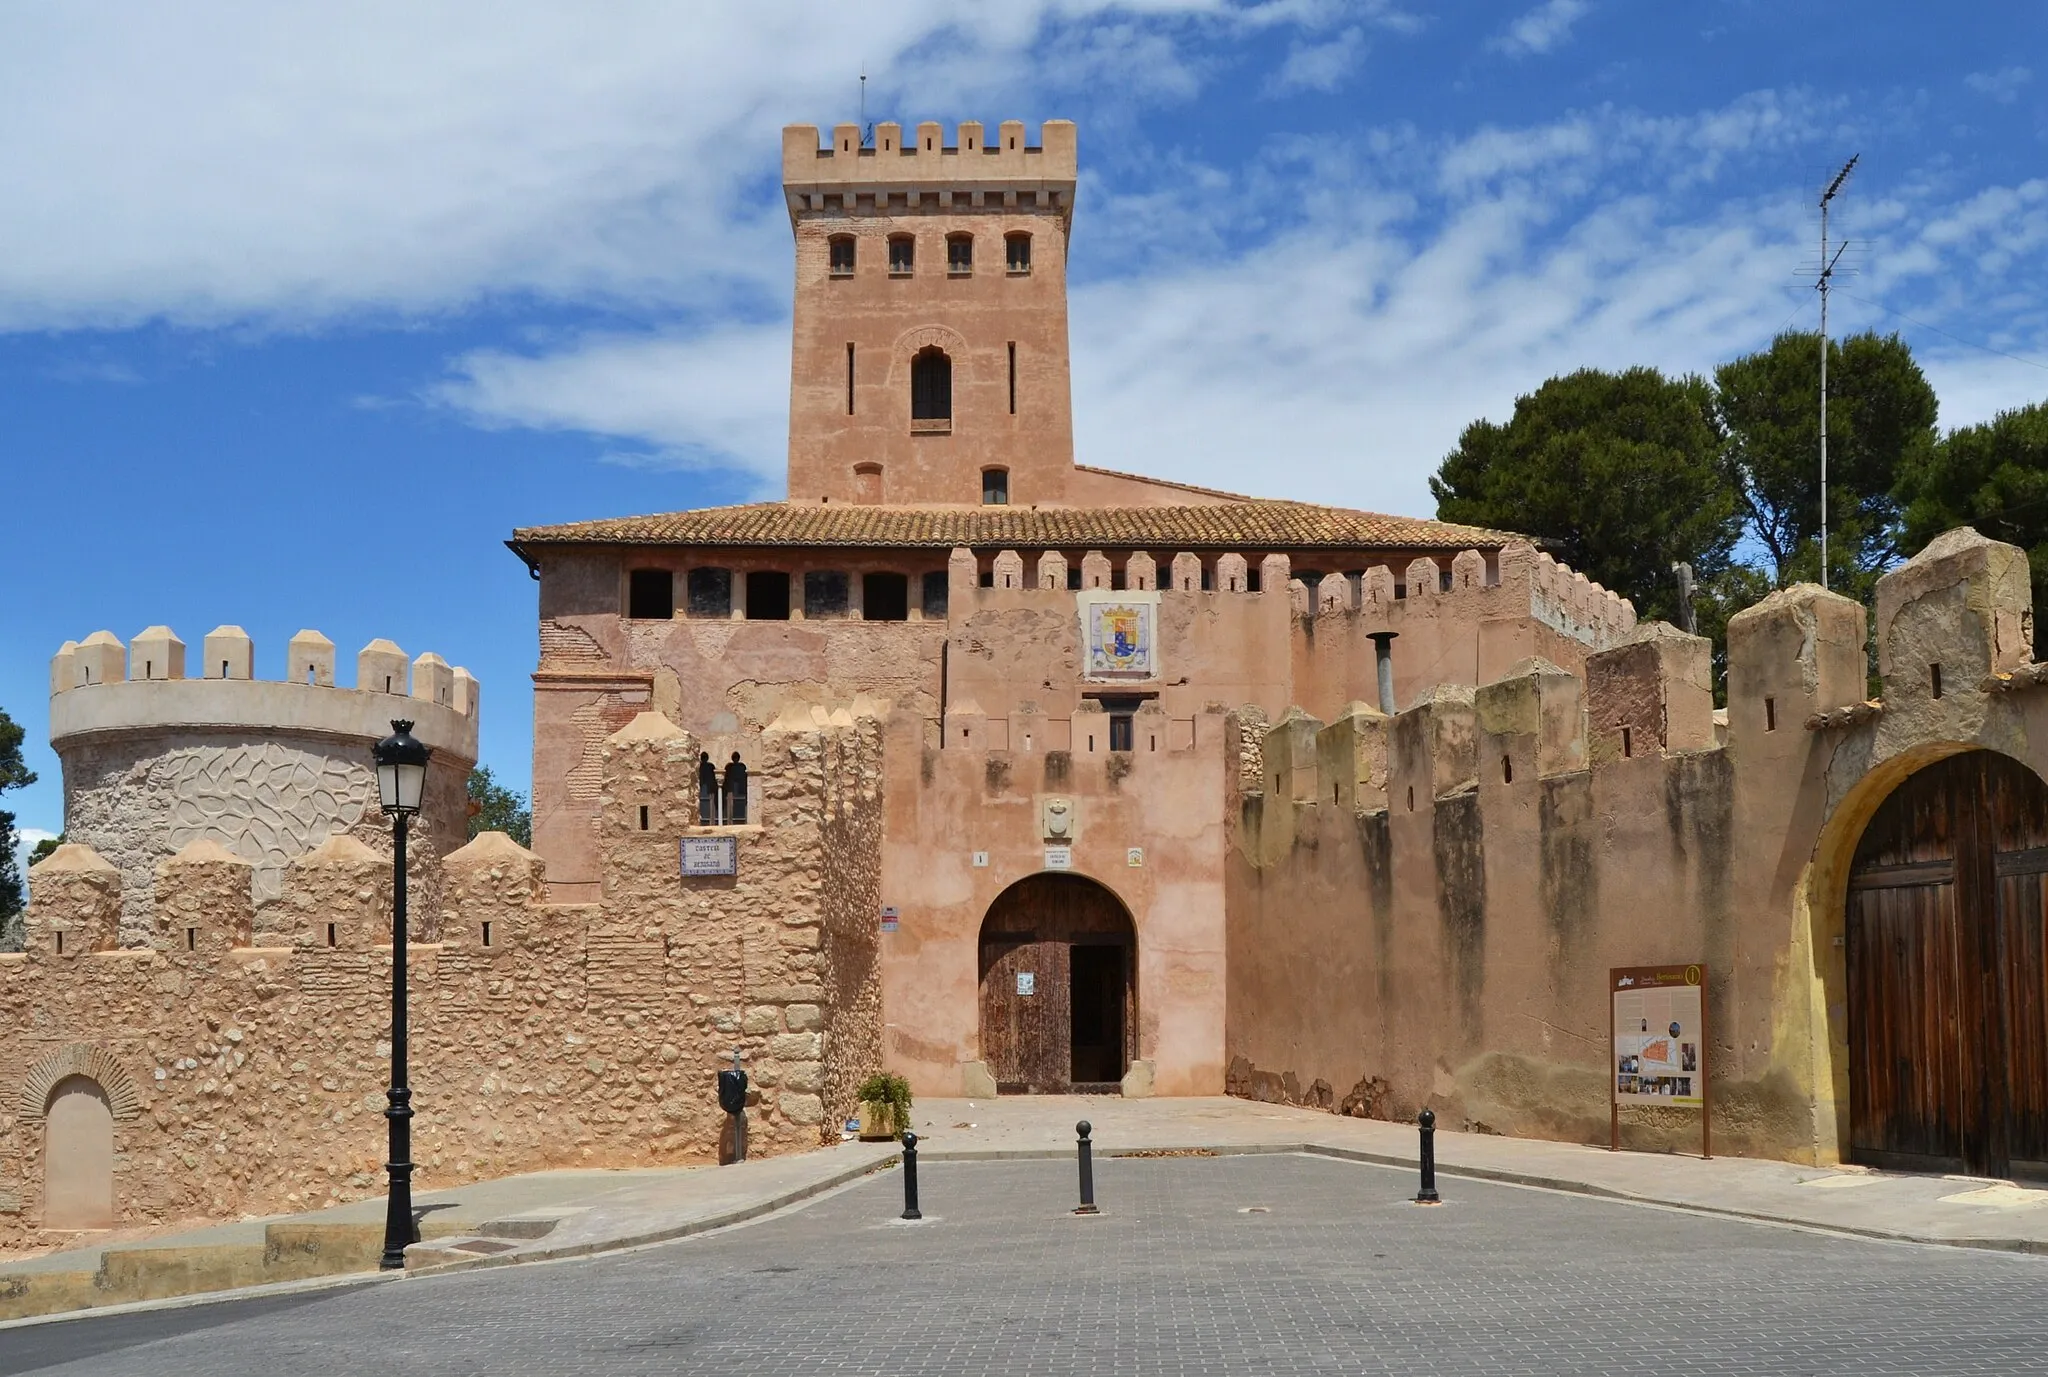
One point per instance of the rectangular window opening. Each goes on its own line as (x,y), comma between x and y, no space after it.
(959,254)
(709,592)
(767,596)
(643,817)
(902,255)
(827,594)
(842,256)
(1120,732)
(650,595)
(885,597)
(935,586)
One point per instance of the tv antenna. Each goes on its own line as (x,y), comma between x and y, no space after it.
(1827,273)
(867,131)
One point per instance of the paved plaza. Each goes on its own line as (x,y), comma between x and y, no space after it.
(1268,1263)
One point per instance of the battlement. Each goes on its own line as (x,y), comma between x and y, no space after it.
(1522,582)
(98,686)
(1008,167)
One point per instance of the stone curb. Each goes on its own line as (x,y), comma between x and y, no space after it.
(704,1224)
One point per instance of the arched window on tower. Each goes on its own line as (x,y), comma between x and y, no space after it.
(931,391)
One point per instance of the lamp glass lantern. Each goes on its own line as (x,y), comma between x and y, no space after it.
(401,771)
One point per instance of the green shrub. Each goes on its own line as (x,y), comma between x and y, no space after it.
(891,1097)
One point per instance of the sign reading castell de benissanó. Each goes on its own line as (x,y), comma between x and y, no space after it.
(1659,1035)
(1119,634)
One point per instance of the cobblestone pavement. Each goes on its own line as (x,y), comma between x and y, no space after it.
(1265,1264)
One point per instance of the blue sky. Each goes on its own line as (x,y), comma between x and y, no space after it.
(303,308)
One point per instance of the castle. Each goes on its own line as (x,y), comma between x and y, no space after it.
(1067,779)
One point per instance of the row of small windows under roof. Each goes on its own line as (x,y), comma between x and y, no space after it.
(959,254)
(771,594)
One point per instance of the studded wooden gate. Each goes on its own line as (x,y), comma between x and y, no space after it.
(1058,987)
(1948,973)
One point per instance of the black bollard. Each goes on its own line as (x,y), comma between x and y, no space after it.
(1087,1153)
(1427,1195)
(910,1210)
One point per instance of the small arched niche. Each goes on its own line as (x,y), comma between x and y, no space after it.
(78,1156)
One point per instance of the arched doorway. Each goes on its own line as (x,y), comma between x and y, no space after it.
(78,1156)
(1059,963)
(1948,972)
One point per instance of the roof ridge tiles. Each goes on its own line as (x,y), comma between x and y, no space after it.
(1268,523)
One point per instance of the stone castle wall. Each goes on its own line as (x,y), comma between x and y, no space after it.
(247,1069)
(155,760)
(1423,908)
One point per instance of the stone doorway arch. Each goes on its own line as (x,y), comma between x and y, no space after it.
(1946,936)
(1058,987)
(78,1156)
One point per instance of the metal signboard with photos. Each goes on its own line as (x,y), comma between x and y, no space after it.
(1657,1035)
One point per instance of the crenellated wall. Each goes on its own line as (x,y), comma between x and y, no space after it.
(1423,908)
(246,1067)
(156,757)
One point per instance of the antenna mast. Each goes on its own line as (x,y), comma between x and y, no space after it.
(867,132)
(1827,272)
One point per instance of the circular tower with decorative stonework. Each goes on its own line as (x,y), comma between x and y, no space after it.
(158,755)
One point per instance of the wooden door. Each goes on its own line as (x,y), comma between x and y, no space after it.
(1028,973)
(1948,1040)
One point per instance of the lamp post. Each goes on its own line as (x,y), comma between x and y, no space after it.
(401,783)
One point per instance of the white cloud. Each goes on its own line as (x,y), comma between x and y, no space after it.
(1542,28)
(25,840)
(1319,66)
(2002,86)
(719,399)
(242,161)
(1336,356)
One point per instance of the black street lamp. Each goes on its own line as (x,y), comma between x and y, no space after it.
(401,782)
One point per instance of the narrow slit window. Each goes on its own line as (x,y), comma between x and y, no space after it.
(1411,798)
(1507,770)
(849,377)
(1937,680)
(330,935)
(60,941)
(487,932)
(1013,377)
(1628,743)
(1770,714)
(191,939)
(643,817)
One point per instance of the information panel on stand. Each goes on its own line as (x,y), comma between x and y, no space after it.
(1657,1031)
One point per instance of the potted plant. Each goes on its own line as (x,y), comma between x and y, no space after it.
(884,1107)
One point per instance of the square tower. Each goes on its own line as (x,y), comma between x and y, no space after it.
(929,363)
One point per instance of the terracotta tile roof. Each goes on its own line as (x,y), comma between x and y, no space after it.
(1250,525)
(1163,483)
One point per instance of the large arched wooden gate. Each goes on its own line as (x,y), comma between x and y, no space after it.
(1058,987)
(1948,978)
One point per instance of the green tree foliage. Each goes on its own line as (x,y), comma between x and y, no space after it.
(1993,477)
(14,774)
(1881,421)
(494,808)
(1619,474)
(44,848)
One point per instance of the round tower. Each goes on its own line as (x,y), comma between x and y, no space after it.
(156,758)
